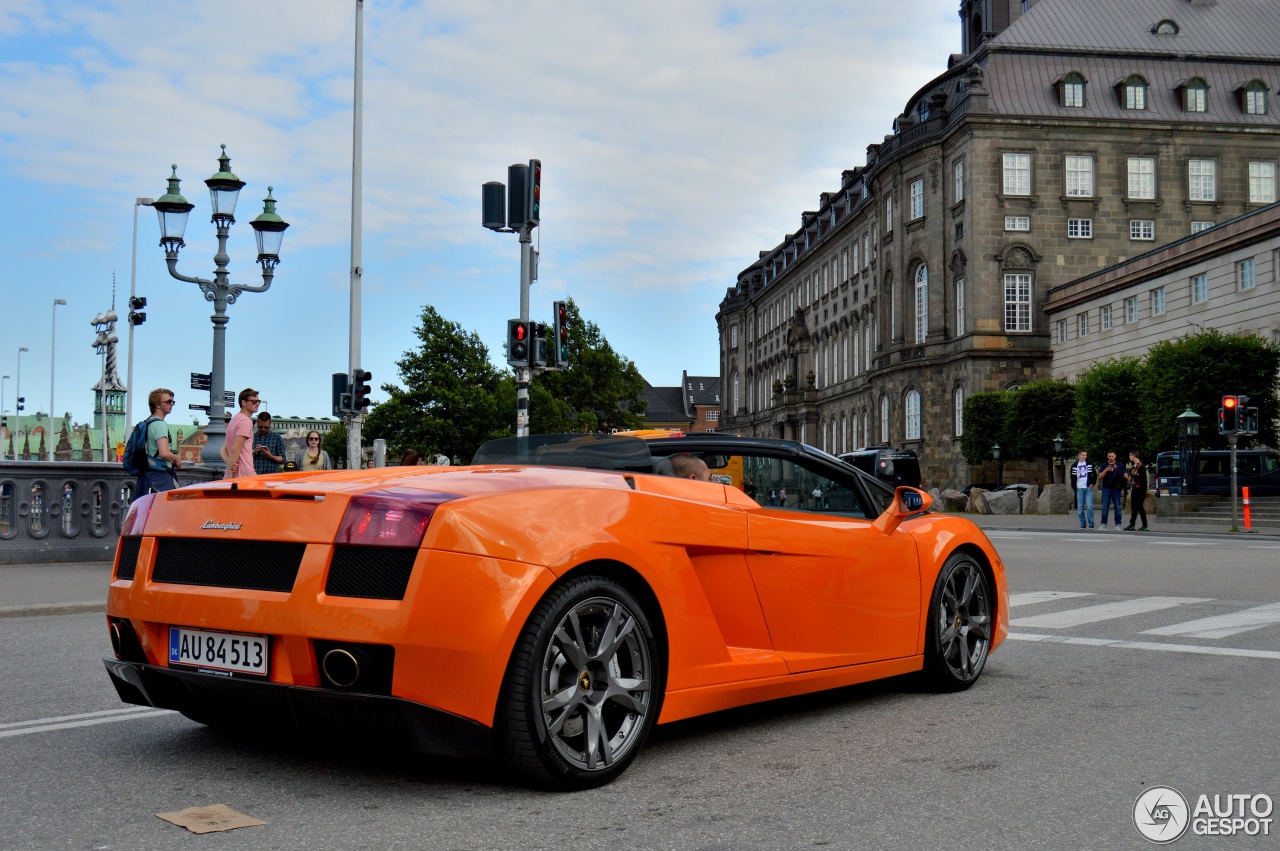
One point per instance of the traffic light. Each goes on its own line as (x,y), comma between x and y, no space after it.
(539,358)
(517,342)
(533,204)
(1229,415)
(21,403)
(341,394)
(360,389)
(559,355)
(1249,420)
(136,304)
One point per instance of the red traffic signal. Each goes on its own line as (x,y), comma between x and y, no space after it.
(533,203)
(1229,415)
(1230,402)
(517,342)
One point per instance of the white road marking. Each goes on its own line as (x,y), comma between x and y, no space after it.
(1147,645)
(1221,626)
(85,719)
(1105,611)
(1026,598)
(1183,543)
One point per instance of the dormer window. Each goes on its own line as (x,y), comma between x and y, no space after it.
(1195,95)
(1166,27)
(1133,92)
(1253,98)
(1071,91)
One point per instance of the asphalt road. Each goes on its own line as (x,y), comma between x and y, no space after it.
(1113,682)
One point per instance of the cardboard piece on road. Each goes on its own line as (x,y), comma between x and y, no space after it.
(210,819)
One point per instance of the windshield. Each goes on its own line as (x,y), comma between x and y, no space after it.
(592,451)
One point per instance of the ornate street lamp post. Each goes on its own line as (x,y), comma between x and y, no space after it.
(1058,459)
(995,453)
(173,209)
(1189,450)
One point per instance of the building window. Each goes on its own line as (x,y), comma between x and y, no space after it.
(857,342)
(959,306)
(1131,310)
(844,266)
(958,170)
(1195,95)
(1196,227)
(856,246)
(1166,28)
(1072,91)
(922,304)
(917,199)
(1200,288)
(1262,182)
(1018,223)
(1061,330)
(1082,324)
(1202,184)
(1135,93)
(884,419)
(888,214)
(1104,317)
(1017,174)
(1157,301)
(1017,301)
(1079,176)
(714,416)
(1253,99)
(1080,228)
(1246,274)
(1144,229)
(959,400)
(913,415)
(1142,178)
(733,336)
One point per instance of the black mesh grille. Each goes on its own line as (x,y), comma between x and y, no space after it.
(254,565)
(381,573)
(128,556)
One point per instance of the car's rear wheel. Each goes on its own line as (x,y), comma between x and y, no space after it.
(958,634)
(582,689)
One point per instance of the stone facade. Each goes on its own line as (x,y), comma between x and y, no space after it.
(924,277)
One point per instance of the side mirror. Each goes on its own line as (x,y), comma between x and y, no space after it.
(907,502)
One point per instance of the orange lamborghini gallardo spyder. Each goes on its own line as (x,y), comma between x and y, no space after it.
(548,604)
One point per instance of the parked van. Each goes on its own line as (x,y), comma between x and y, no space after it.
(893,466)
(1256,469)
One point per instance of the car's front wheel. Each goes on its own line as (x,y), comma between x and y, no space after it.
(582,689)
(958,634)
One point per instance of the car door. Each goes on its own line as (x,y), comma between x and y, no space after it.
(834,590)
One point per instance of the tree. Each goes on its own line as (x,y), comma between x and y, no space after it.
(984,419)
(448,403)
(1197,371)
(335,443)
(600,390)
(1035,414)
(1107,408)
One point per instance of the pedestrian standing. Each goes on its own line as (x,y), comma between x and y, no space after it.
(1084,476)
(268,447)
(1137,492)
(161,460)
(782,497)
(314,457)
(237,451)
(1113,479)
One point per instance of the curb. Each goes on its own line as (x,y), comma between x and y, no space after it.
(43,609)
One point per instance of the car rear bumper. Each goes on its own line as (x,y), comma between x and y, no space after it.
(377,719)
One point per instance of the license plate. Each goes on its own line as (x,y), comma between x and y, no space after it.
(227,652)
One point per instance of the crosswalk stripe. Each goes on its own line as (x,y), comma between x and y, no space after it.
(1147,645)
(1221,626)
(1026,598)
(1104,611)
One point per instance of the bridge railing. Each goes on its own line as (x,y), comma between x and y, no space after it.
(68,510)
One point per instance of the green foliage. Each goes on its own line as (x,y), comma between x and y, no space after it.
(1107,409)
(335,443)
(1035,414)
(984,419)
(448,403)
(1197,371)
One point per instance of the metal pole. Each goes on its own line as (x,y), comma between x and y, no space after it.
(103,403)
(354,423)
(133,281)
(524,374)
(17,394)
(3,379)
(1235,508)
(53,353)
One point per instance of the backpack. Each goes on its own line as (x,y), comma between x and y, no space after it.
(136,461)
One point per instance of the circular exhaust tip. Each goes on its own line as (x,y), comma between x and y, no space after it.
(341,668)
(117,640)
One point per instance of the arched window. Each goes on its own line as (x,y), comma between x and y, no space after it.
(1253,98)
(959,307)
(1071,91)
(922,304)
(912,413)
(844,434)
(856,343)
(1195,95)
(884,418)
(959,400)
(1133,92)
(735,395)
(1166,27)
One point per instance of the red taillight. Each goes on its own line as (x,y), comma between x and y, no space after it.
(136,520)
(395,517)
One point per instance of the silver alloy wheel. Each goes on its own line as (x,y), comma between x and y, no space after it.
(596,683)
(964,621)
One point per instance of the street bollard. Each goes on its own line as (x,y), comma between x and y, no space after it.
(1247,525)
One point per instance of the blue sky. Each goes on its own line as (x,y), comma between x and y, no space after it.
(677,139)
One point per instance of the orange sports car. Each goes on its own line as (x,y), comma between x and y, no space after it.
(548,604)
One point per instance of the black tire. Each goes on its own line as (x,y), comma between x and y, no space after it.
(583,687)
(958,632)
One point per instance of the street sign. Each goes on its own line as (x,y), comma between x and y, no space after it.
(204,408)
(228,398)
(201,381)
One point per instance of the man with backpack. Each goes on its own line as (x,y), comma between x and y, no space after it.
(156,473)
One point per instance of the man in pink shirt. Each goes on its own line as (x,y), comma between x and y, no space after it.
(237,452)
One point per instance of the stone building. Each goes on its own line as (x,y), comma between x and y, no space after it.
(1069,136)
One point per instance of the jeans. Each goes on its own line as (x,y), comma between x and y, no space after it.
(1137,506)
(1084,501)
(153,481)
(1110,495)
